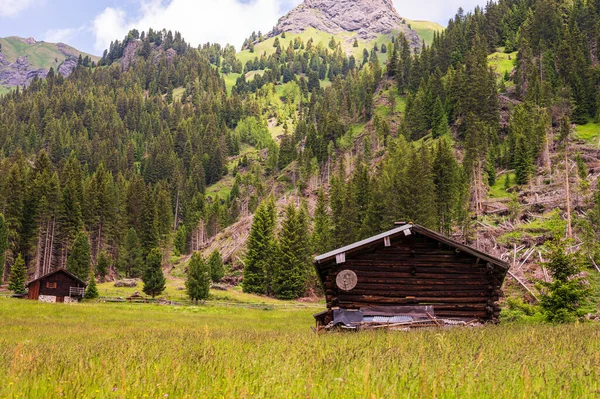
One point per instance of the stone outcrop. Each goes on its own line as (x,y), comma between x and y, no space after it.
(366,19)
(21,72)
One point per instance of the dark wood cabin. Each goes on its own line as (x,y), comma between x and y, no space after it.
(411,266)
(58,286)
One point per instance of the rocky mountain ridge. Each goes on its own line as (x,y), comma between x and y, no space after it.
(23,59)
(361,19)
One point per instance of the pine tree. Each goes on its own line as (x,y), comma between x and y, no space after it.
(420,192)
(293,261)
(153,277)
(567,292)
(3,245)
(439,120)
(91,292)
(261,250)
(130,257)
(78,262)
(198,278)
(322,238)
(215,263)
(447,185)
(102,265)
(180,243)
(18,277)
(149,224)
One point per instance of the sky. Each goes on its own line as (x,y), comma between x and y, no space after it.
(90,25)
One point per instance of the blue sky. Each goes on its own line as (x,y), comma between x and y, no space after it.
(90,25)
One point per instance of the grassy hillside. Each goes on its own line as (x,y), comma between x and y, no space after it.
(120,350)
(425,29)
(40,54)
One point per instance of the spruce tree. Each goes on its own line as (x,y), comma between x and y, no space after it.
(153,277)
(447,185)
(322,237)
(3,245)
(91,292)
(78,262)
(215,264)
(567,293)
(102,265)
(439,120)
(420,192)
(261,250)
(197,283)
(18,277)
(293,261)
(130,256)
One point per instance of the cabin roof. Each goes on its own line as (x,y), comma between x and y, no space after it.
(407,230)
(58,271)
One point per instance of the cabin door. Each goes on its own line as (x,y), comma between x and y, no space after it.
(60,299)
(34,290)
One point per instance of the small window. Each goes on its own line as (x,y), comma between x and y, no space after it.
(50,285)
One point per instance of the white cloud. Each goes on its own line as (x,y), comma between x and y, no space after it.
(62,35)
(10,8)
(231,21)
(199,21)
(434,10)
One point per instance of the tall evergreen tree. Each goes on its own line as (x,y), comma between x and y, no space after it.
(446,179)
(197,283)
(261,250)
(102,265)
(18,277)
(215,264)
(130,258)
(79,259)
(3,245)
(439,120)
(322,237)
(293,261)
(153,277)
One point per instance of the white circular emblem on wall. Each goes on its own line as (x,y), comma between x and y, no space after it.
(346,280)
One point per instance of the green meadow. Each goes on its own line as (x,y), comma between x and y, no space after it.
(99,350)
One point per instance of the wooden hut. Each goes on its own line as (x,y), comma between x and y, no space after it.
(58,286)
(407,269)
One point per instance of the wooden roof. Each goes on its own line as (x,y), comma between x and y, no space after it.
(65,271)
(406,230)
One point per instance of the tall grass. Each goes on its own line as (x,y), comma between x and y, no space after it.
(126,351)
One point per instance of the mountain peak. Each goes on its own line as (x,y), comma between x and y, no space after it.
(364,19)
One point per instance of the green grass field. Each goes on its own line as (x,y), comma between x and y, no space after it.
(152,351)
(589,132)
(498,190)
(425,29)
(502,62)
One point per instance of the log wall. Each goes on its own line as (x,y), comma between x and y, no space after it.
(417,270)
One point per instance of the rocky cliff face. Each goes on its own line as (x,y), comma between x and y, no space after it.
(366,19)
(20,71)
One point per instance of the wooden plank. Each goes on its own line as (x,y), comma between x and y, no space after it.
(418,268)
(374,299)
(416,280)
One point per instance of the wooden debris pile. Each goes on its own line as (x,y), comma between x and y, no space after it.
(393,319)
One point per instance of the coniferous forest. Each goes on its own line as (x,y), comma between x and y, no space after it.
(118,163)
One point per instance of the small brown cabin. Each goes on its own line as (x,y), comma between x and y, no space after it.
(58,286)
(411,266)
